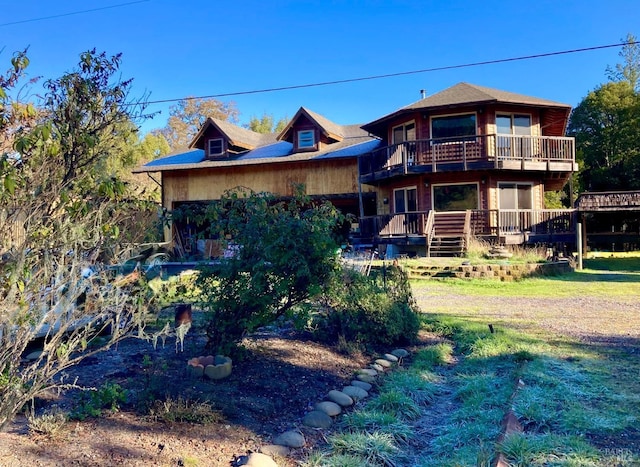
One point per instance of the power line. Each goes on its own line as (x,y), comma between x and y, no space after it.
(72,13)
(391,75)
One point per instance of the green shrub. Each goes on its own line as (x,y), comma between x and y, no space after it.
(367,310)
(108,397)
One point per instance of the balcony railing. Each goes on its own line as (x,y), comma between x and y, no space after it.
(481,222)
(474,152)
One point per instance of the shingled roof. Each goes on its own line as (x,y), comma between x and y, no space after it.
(464,94)
(609,201)
(328,128)
(237,136)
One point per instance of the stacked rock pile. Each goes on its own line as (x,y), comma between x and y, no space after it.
(323,413)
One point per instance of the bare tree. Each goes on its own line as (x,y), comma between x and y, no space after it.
(62,216)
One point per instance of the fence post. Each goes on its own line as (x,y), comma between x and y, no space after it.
(579,244)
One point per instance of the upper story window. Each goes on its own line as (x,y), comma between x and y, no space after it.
(306,139)
(404,132)
(513,124)
(453,126)
(215,147)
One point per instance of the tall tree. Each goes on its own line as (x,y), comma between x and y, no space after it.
(629,69)
(188,115)
(605,125)
(266,124)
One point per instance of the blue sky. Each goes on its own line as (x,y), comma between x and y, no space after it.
(196,47)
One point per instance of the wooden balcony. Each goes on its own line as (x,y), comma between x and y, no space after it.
(540,153)
(506,225)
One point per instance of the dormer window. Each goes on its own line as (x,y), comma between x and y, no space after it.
(215,147)
(306,139)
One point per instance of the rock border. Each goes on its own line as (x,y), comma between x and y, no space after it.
(323,413)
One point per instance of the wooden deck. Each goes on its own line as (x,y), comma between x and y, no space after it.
(537,153)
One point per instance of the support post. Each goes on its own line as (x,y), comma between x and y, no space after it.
(579,244)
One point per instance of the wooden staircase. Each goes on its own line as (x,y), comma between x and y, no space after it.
(447,233)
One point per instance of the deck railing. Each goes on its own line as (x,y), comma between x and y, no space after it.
(478,222)
(463,153)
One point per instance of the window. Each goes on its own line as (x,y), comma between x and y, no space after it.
(306,139)
(402,134)
(216,147)
(453,126)
(513,124)
(406,132)
(515,201)
(455,197)
(510,129)
(515,196)
(405,200)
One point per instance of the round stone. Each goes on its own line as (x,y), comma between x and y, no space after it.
(355,392)
(361,384)
(340,398)
(377,367)
(400,353)
(257,459)
(291,439)
(317,419)
(366,378)
(275,450)
(390,357)
(368,371)
(330,408)
(383,363)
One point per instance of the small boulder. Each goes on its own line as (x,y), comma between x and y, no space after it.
(330,408)
(383,363)
(377,367)
(390,357)
(400,353)
(366,378)
(368,371)
(340,398)
(361,384)
(257,459)
(355,392)
(275,450)
(291,439)
(317,419)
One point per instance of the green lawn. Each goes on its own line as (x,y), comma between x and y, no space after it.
(571,343)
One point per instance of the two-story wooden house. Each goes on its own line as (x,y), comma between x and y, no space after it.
(467,161)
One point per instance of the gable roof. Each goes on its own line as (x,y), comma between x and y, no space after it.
(464,94)
(328,128)
(238,137)
(355,142)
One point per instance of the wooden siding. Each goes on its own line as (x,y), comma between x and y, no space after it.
(320,178)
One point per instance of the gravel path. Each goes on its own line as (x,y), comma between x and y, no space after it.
(613,321)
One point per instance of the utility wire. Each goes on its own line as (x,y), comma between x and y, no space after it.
(72,13)
(390,75)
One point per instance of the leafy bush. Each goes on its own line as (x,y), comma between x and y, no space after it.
(108,397)
(368,310)
(283,252)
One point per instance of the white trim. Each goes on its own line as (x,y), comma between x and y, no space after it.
(433,198)
(211,140)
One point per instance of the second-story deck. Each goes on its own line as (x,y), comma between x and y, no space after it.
(508,152)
